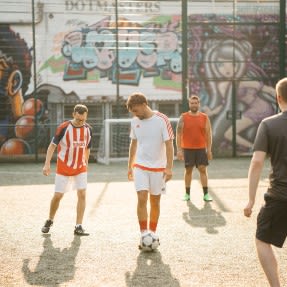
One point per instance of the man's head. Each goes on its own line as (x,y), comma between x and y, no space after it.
(137,104)
(281,90)
(80,115)
(194,103)
(80,109)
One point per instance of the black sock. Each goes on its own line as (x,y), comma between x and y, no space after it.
(187,190)
(205,190)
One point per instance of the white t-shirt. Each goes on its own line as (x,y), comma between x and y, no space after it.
(151,135)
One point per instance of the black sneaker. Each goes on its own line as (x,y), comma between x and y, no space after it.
(80,231)
(46,227)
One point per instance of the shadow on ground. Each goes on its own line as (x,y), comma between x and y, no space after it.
(151,271)
(205,217)
(55,266)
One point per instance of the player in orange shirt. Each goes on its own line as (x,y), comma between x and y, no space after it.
(73,142)
(194,141)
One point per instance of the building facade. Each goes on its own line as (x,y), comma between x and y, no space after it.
(54,55)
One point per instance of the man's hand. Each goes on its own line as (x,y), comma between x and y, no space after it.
(179,154)
(209,155)
(130,174)
(167,174)
(248,209)
(46,169)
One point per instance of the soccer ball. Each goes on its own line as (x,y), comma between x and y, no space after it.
(149,241)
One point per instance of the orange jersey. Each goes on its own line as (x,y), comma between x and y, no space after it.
(72,143)
(194,131)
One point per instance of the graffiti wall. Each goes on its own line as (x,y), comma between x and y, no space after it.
(234,63)
(18,109)
(145,55)
(87,57)
(82,61)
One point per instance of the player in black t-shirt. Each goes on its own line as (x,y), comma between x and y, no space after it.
(271,140)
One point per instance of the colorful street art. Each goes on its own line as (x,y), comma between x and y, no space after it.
(228,62)
(238,61)
(18,110)
(148,50)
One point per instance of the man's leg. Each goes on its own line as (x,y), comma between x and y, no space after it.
(81,205)
(204,181)
(154,211)
(203,175)
(54,205)
(268,262)
(187,182)
(142,209)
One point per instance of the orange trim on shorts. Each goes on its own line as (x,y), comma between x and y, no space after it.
(159,169)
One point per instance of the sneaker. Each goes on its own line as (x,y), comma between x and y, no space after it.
(80,231)
(47,225)
(207,197)
(186,197)
(143,232)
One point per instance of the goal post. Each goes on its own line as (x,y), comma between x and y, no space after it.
(114,140)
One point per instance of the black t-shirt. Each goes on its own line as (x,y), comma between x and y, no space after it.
(272,138)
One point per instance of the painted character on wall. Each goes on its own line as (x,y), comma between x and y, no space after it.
(229,70)
(15,74)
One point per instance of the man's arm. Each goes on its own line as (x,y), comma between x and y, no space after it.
(87,155)
(132,154)
(208,139)
(88,147)
(254,173)
(169,159)
(179,130)
(50,152)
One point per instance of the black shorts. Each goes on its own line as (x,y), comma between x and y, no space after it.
(195,157)
(272,222)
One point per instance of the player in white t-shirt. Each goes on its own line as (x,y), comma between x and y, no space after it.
(150,158)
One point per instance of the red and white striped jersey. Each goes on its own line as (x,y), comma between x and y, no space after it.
(72,143)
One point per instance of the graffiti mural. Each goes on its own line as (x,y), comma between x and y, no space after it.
(99,55)
(84,59)
(239,61)
(18,111)
(146,51)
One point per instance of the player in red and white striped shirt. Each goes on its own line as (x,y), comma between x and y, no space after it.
(73,142)
(150,158)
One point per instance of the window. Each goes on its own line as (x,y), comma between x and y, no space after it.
(169,109)
(119,111)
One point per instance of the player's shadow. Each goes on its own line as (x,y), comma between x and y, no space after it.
(205,217)
(55,266)
(151,272)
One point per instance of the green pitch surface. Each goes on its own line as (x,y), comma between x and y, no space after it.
(202,244)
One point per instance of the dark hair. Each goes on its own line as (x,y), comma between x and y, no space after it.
(281,89)
(80,109)
(136,99)
(16,54)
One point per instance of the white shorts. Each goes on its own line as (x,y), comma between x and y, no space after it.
(151,181)
(64,183)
